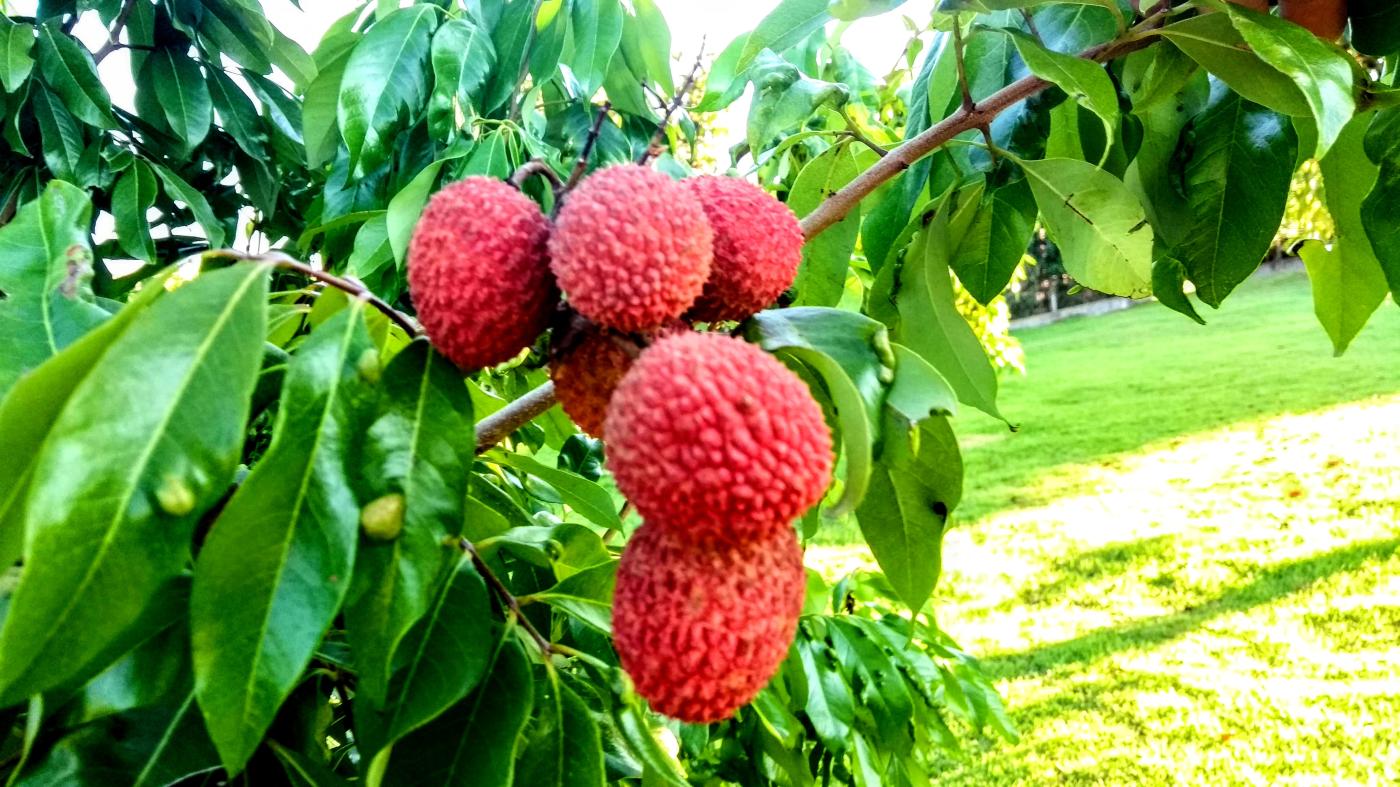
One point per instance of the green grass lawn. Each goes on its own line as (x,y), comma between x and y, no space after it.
(1184,568)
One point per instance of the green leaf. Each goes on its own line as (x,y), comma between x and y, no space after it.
(1375,26)
(149,747)
(788,23)
(420,446)
(1236,184)
(646,45)
(597,30)
(16,42)
(406,206)
(68,69)
(582,495)
(126,496)
(828,702)
(303,771)
(916,485)
(551,30)
(443,659)
(62,137)
(133,196)
(385,82)
(322,99)
(292,59)
(1378,216)
(1084,80)
(462,58)
(987,253)
(877,685)
(1169,286)
(784,98)
(30,408)
(851,10)
(177,188)
(239,29)
(277,562)
(184,96)
(1213,42)
(1099,225)
(155,672)
(918,392)
(821,280)
(586,595)
(1321,71)
(563,747)
(1348,282)
(473,743)
(850,353)
(511,40)
(45,275)
(237,114)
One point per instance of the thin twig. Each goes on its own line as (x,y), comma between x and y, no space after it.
(536,166)
(582,164)
(115,33)
(968,104)
(858,135)
(348,286)
(654,147)
(498,425)
(507,598)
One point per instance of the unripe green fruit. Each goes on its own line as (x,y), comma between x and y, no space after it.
(382,518)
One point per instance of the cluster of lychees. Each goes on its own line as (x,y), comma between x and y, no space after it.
(717,444)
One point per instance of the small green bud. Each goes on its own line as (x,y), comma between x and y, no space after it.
(175,496)
(382,519)
(368,366)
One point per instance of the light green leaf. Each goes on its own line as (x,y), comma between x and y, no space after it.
(586,497)
(126,494)
(1213,42)
(597,30)
(406,206)
(45,274)
(462,58)
(826,258)
(184,96)
(987,252)
(510,38)
(419,446)
(788,23)
(322,99)
(646,45)
(133,196)
(271,575)
(1169,286)
(176,187)
(784,98)
(1321,71)
(16,42)
(1084,80)
(385,82)
(1236,184)
(1099,225)
(68,69)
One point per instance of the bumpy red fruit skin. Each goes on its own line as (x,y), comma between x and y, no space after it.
(711,434)
(478,272)
(585,375)
(631,248)
(758,247)
(702,627)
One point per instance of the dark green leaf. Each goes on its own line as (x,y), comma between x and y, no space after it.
(237,114)
(511,41)
(292,59)
(828,702)
(1168,284)
(785,98)
(126,496)
(277,562)
(1084,80)
(184,97)
(582,495)
(63,142)
(385,82)
(586,595)
(133,196)
(1322,72)
(563,747)
(69,70)
(551,30)
(462,58)
(1235,183)
(1213,42)
(597,31)
(420,446)
(1378,215)
(156,672)
(239,29)
(302,771)
(16,42)
(646,44)
(177,188)
(1099,225)
(322,97)
(1375,26)
(473,743)
(988,252)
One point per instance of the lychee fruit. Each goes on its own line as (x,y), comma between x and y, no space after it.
(478,272)
(713,435)
(1325,19)
(631,248)
(586,372)
(757,248)
(701,628)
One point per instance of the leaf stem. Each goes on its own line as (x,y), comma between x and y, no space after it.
(507,598)
(654,147)
(114,35)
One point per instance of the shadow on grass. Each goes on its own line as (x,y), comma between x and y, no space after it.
(1092,565)
(1269,584)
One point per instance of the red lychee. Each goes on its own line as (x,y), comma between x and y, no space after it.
(478,271)
(631,248)
(702,627)
(585,375)
(758,247)
(713,435)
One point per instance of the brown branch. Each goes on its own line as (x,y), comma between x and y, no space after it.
(654,147)
(582,164)
(348,286)
(497,426)
(536,166)
(115,33)
(507,598)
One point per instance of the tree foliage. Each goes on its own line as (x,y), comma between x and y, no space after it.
(253,526)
